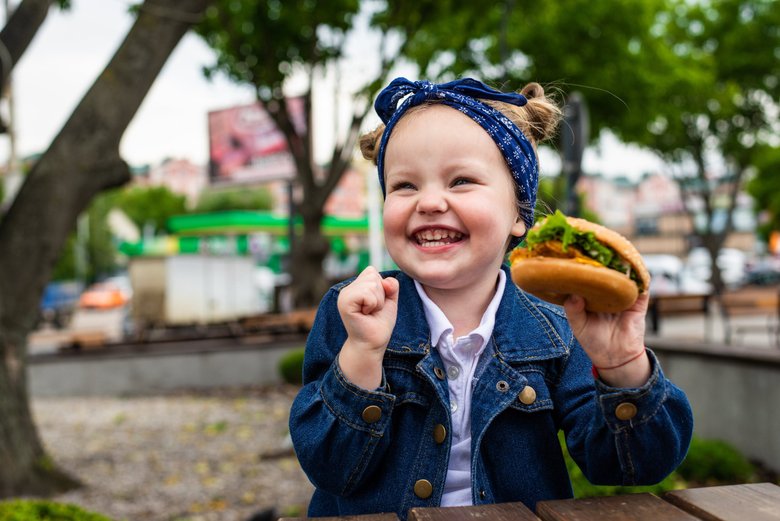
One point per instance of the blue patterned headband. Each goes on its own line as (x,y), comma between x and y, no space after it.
(462,95)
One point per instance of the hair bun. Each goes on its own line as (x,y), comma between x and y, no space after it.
(369,143)
(533,90)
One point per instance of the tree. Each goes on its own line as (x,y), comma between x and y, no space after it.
(150,207)
(96,245)
(764,187)
(82,161)
(235,199)
(713,136)
(689,80)
(20,29)
(264,44)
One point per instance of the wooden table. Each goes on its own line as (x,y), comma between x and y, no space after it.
(751,502)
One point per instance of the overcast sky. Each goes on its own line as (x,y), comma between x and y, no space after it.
(73,47)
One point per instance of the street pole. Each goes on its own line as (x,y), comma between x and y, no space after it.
(375,249)
(574,139)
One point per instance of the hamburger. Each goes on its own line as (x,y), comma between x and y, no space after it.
(565,256)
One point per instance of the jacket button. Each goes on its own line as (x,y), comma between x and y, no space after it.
(439,433)
(502,386)
(482,494)
(371,414)
(527,395)
(423,489)
(625,411)
(438,372)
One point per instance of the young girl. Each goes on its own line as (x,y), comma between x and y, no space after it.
(445,384)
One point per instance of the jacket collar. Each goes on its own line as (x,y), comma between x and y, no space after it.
(526,328)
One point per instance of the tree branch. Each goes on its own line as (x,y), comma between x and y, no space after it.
(18,32)
(82,160)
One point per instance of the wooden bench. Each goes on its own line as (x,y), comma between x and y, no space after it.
(751,502)
(678,304)
(761,303)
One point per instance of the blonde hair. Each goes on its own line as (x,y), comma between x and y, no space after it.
(538,119)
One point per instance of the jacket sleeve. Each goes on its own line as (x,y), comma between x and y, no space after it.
(622,436)
(339,430)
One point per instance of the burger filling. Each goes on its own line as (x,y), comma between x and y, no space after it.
(557,238)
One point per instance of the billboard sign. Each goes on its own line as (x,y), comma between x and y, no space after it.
(246,146)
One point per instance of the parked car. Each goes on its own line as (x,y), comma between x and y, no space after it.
(763,272)
(664,272)
(59,300)
(732,264)
(103,295)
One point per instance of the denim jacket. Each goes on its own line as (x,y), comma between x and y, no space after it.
(387,450)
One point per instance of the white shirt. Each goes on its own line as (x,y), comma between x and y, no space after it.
(460,356)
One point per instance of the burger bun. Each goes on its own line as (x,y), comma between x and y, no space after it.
(554,279)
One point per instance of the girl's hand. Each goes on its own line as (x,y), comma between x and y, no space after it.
(614,342)
(368,308)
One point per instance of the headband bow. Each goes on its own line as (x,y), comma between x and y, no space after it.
(464,95)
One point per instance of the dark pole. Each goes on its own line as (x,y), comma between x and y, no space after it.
(574,139)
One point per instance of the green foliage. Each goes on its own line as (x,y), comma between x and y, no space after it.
(605,49)
(715,462)
(261,43)
(40,510)
(764,187)
(98,250)
(583,488)
(291,367)
(235,199)
(150,206)
(709,462)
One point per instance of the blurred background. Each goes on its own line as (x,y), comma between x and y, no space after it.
(181,184)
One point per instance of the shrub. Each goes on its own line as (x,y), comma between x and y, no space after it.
(291,367)
(41,510)
(584,488)
(709,462)
(715,462)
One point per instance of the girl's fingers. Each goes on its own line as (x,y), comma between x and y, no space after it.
(575,312)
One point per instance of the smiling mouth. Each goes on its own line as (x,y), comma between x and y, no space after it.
(437,237)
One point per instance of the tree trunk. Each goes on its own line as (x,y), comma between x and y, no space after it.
(307,256)
(308,252)
(19,31)
(81,161)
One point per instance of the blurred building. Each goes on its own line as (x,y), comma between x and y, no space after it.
(181,177)
(651,213)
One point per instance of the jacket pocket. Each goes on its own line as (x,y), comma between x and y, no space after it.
(534,395)
(408,387)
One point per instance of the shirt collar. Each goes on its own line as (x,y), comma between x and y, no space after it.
(440,325)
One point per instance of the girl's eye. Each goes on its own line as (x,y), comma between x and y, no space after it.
(462,181)
(402,185)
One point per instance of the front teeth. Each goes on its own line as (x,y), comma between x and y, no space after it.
(437,237)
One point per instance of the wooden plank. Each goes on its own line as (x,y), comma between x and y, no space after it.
(364,517)
(751,502)
(495,512)
(631,507)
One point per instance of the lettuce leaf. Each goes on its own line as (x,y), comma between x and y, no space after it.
(556,228)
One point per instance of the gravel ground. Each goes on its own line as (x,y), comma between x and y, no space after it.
(220,455)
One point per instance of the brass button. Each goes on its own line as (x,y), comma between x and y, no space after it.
(423,489)
(439,433)
(372,413)
(625,411)
(527,395)
(438,372)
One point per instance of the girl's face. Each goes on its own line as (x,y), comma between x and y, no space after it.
(450,206)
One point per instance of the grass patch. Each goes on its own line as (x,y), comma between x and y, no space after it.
(41,510)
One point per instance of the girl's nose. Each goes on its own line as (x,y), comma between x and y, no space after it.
(432,201)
